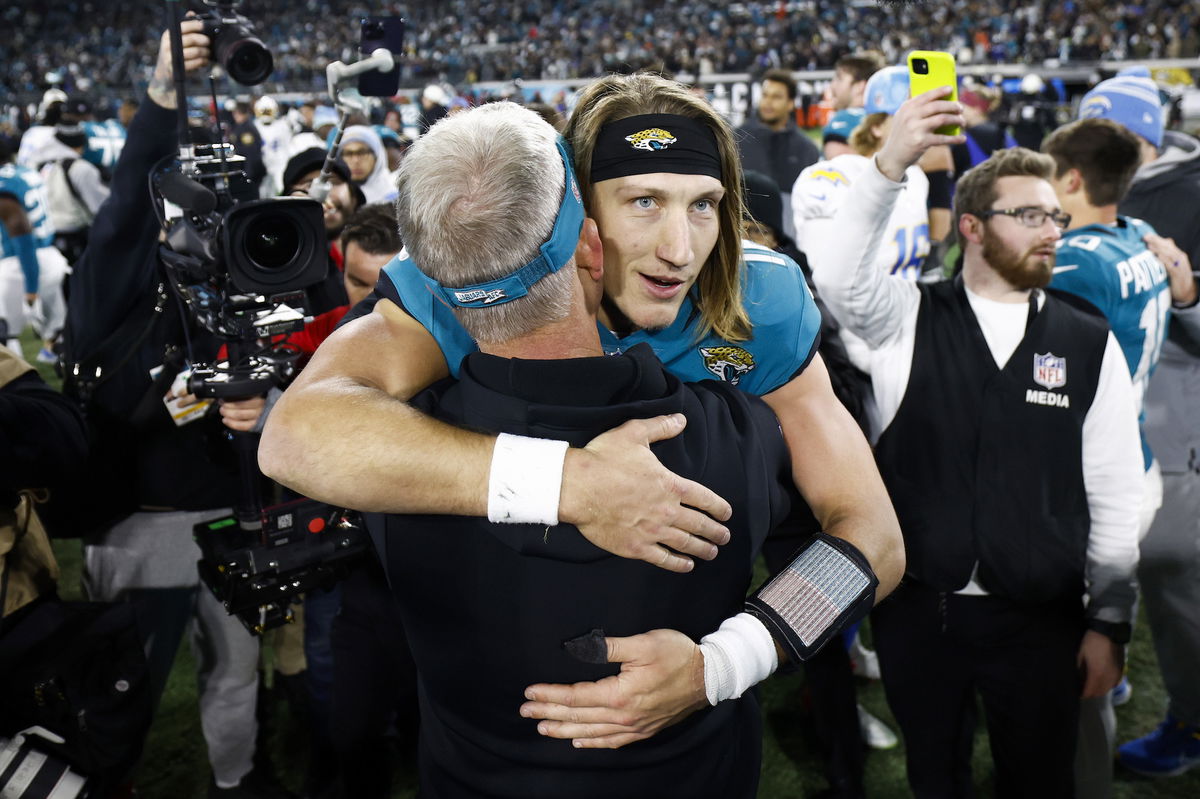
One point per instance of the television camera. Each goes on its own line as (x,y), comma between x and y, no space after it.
(244,268)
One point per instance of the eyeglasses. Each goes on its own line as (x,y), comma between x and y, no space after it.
(1031,216)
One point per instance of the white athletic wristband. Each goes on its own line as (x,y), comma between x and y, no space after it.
(525,480)
(737,656)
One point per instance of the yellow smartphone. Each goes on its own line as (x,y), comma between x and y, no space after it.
(931,69)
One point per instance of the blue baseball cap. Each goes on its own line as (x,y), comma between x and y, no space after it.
(1129,100)
(886,91)
(842,124)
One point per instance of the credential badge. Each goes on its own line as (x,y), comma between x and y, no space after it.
(1049,370)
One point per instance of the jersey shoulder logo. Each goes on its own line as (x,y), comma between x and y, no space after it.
(651,139)
(728,363)
(834,176)
(1049,370)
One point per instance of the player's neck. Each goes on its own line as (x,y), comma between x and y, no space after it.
(1085,215)
(1148,151)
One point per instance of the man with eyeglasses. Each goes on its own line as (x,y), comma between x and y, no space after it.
(363,152)
(1010,448)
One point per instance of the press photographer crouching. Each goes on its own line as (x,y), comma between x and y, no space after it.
(74,699)
(162,461)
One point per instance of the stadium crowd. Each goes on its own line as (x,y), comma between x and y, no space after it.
(868,284)
(104,47)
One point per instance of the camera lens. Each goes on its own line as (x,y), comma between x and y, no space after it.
(275,245)
(272,241)
(248,61)
(920,66)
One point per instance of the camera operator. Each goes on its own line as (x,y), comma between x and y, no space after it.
(178,472)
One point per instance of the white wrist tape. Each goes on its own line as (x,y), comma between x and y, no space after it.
(525,480)
(737,656)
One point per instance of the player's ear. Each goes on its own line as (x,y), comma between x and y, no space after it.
(1074,181)
(589,252)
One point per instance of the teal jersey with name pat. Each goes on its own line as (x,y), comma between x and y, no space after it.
(26,187)
(782,312)
(1111,267)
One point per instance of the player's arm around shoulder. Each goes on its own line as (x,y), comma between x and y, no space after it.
(343,432)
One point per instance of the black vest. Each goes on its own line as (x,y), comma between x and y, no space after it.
(984,464)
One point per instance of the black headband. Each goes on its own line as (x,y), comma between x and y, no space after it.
(655,143)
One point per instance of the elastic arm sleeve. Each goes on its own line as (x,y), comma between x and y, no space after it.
(828,585)
(940,195)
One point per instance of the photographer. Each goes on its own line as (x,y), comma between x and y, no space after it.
(168,471)
(43,436)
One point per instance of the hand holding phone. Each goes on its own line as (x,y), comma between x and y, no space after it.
(932,69)
(388,33)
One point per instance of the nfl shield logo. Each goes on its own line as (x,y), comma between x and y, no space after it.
(1049,370)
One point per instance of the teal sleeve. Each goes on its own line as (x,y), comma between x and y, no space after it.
(25,248)
(404,284)
(785,320)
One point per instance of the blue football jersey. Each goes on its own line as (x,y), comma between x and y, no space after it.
(26,186)
(782,312)
(1111,267)
(104,143)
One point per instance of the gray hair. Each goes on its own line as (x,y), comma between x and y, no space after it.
(478,195)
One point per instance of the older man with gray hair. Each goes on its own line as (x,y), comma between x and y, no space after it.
(489,207)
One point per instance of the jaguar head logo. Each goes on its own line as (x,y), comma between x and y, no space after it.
(651,139)
(727,363)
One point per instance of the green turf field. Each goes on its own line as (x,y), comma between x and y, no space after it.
(174,764)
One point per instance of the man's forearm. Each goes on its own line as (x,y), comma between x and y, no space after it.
(863,513)
(400,460)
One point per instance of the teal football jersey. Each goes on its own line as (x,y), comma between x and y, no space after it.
(1111,267)
(26,187)
(784,317)
(105,140)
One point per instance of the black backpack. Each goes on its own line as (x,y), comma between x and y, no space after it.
(77,670)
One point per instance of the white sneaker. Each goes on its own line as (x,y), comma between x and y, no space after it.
(863,662)
(875,733)
(1122,693)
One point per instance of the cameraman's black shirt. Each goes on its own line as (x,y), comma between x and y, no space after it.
(168,467)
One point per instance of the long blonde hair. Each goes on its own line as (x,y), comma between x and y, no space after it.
(616,97)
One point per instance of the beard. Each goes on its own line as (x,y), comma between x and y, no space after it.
(1022,271)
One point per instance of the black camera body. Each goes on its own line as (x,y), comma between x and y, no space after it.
(303,545)
(224,233)
(242,265)
(234,45)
